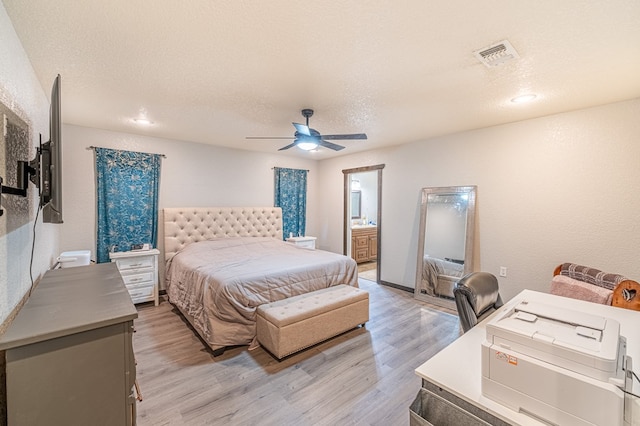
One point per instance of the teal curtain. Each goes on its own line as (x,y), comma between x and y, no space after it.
(127,193)
(291,195)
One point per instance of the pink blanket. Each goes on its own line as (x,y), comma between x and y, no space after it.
(568,287)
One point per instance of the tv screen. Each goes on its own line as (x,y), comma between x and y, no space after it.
(51,162)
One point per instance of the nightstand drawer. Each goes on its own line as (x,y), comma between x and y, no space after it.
(141,292)
(138,278)
(135,263)
(139,271)
(307,244)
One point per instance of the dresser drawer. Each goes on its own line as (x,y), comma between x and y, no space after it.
(130,279)
(141,262)
(141,292)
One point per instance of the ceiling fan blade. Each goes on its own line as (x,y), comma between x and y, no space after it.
(302,129)
(345,137)
(330,145)
(287,147)
(270,137)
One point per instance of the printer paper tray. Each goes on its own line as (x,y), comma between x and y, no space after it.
(555,394)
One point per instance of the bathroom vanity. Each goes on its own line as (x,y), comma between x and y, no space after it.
(364,243)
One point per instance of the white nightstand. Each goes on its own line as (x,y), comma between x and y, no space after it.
(308,242)
(139,270)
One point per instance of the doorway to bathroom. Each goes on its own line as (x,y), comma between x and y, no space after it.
(362,219)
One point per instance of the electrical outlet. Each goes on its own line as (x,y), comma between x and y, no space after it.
(503,271)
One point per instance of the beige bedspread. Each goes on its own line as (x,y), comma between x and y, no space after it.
(432,267)
(220,283)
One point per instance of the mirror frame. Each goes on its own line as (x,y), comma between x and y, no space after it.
(468,245)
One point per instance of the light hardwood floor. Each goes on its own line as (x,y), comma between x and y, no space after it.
(367,270)
(363,377)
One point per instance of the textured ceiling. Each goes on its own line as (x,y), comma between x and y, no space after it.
(217,71)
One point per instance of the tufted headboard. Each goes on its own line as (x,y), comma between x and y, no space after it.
(186,225)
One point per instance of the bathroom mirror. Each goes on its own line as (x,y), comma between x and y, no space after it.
(356,204)
(445,244)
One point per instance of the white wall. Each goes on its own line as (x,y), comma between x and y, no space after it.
(562,188)
(21,91)
(192,175)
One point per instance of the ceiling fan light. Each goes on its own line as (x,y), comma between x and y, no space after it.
(307,146)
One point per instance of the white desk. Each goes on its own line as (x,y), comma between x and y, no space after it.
(457,368)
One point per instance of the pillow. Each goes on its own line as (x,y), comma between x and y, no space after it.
(562,285)
(591,275)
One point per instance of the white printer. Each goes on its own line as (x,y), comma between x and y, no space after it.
(559,366)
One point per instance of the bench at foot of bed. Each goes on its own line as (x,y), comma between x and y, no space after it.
(293,324)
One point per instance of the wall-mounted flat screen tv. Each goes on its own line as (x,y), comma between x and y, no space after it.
(51,162)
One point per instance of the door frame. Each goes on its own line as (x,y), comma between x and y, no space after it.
(347,214)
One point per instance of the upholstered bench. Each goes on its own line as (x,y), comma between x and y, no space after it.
(293,324)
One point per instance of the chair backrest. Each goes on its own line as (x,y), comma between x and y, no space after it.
(477,296)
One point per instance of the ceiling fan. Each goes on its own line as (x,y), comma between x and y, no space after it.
(307,138)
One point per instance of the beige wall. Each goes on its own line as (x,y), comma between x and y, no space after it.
(21,91)
(192,175)
(550,190)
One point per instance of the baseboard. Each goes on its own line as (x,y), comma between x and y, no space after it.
(398,286)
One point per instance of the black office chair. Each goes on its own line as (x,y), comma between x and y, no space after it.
(476,296)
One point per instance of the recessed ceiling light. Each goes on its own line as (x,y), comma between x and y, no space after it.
(143,121)
(523,98)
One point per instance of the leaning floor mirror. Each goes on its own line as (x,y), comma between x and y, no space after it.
(445,244)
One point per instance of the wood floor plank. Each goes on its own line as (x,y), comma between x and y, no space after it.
(362,377)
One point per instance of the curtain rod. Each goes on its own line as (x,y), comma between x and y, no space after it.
(94,147)
(306,170)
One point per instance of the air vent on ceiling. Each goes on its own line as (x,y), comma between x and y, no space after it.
(497,54)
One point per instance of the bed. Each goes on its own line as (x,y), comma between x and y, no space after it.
(440,275)
(223,262)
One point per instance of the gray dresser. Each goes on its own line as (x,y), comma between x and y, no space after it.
(69,353)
